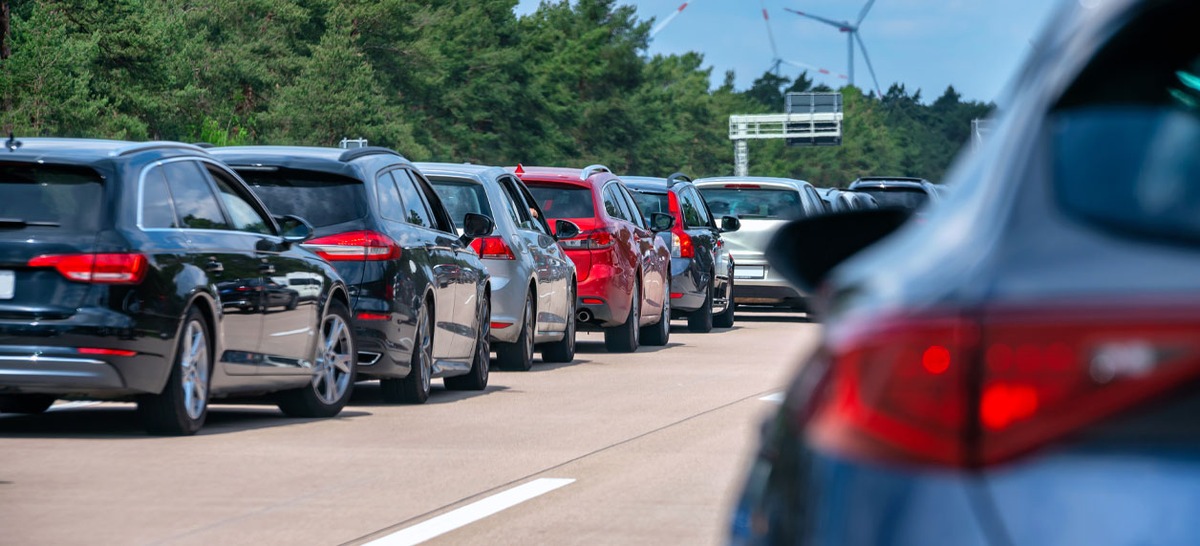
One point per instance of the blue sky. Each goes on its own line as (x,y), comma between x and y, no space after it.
(974,45)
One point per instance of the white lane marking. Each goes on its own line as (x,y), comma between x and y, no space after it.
(776,397)
(73,405)
(470,513)
(291,332)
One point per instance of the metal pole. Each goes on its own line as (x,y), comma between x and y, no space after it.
(741,157)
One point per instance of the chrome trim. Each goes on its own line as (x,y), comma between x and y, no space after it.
(370,359)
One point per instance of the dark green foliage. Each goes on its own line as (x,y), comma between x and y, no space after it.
(454,80)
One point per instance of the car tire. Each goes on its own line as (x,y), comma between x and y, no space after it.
(182,406)
(335,360)
(624,338)
(725,318)
(563,350)
(701,320)
(414,389)
(29,404)
(477,378)
(518,355)
(658,334)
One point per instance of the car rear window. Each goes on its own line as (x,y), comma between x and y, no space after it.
(50,196)
(898,197)
(322,199)
(651,203)
(460,197)
(564,201)
(754,202)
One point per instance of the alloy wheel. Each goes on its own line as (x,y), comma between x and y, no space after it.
(334,364)
(194,370)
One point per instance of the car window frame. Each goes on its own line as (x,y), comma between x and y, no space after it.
(208,182)
(509,187)
(407,206)
(236,184)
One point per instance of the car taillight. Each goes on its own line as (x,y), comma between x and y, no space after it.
(681,242)
(492,248)
(100,268)
(949,389)
(589,240)
(356,246)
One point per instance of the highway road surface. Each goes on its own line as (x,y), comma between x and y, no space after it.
(644,448)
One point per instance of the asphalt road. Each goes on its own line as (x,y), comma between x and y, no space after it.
(647,448)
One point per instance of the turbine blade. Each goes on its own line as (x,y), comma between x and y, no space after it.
(770,34)
(830,22)
(817,69)
(659,27)
(863,14)
(863,47)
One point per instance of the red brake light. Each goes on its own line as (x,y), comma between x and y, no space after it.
(492,248)
(681,242)
(589,240)
(356,246)
(103,268)
(104,352)
(952,390)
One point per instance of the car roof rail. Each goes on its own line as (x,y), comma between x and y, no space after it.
(593,169)
(355,153)
(158,145)
(674,178)
(205,145)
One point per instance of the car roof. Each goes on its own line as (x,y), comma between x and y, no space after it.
(88,151)
(760,180)
(465,170)
(309,158)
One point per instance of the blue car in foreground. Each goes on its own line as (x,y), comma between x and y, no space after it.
(1023,366)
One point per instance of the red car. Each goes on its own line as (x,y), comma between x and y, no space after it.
(622,263)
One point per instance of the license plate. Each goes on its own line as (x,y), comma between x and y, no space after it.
(749,271)
(8,284)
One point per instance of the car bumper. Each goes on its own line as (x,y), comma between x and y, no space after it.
(384,346)
(756,283)
(508,301)
(603,299)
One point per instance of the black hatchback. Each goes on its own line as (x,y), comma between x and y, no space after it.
(114,263)
(421,296)
(701,267)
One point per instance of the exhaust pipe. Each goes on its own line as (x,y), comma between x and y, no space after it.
(583,315)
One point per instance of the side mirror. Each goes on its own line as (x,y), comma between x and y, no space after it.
(476,226)
(805,251)
(661,221)
(564,229)
(294,229)
(730,224)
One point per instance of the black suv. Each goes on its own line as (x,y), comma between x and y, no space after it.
(701,268)
(897,191)
(420,295)
(112,259)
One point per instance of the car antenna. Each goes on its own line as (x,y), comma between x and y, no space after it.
(12,143)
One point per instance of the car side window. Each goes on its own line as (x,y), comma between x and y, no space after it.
(195,203)
(416,211)
(613,203)
(525,208)
(692,216)
(158,209)
(543,225)
(441,217)
(635,213)
(706,218)
(243,214)
(390,206)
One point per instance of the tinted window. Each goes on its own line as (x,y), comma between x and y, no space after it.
(516,201)
(416,210)
(898,197)
(631,208)
(650,203)
(390,206)
(320,198)
(534,209)
(693,215)
(194,200)
(158,209)
(66,196)
(461,197)
(564,201)
(701,206)
(612,203)
(754,202)
(243,214)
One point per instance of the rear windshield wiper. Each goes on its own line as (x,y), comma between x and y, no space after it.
(10,223)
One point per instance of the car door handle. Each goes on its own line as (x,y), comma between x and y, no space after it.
(269,269)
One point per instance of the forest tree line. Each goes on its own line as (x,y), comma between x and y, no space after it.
(450,80)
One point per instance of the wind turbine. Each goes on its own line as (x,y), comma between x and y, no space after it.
(659,27)
(852,35)
(776,61)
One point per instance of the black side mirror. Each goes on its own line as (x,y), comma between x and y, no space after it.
(730,224)
(294,229)
(476,226)
(805,251)
(564,229)
(661,221)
